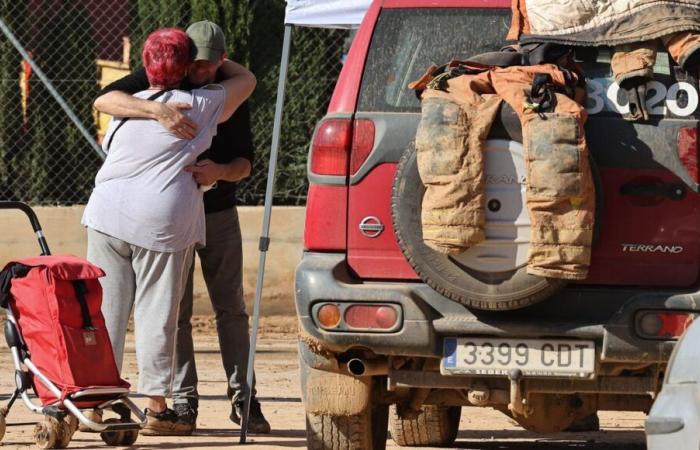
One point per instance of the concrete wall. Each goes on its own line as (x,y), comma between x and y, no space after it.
(65,235)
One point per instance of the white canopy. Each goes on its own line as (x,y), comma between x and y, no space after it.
(326,13)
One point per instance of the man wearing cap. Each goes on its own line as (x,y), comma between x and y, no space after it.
(227,161)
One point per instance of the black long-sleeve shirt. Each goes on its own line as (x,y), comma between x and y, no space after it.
(233,139)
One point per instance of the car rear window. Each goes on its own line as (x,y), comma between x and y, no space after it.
(406,41)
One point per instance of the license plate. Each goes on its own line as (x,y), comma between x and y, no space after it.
(534,357)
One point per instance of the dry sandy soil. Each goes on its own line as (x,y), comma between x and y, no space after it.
(278,390)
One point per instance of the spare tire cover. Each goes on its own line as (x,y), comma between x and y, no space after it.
(492,274)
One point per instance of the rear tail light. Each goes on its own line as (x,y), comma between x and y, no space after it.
(358,316)
(688,151)
(371,317)
(339,142)
(329,315)
(331,147)
(663,324)
(362,143)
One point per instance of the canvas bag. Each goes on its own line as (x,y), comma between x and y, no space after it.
(56,301)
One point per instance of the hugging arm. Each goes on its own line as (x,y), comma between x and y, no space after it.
(117,99)
(239,84)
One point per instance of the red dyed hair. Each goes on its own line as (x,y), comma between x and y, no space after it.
(166,56)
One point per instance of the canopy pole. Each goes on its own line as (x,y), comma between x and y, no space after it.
(62,103)
(264,237)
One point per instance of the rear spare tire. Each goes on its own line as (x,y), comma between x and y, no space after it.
(491,275)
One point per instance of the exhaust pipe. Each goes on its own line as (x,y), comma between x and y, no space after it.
(359,368)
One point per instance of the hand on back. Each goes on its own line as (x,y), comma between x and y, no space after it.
(171,118)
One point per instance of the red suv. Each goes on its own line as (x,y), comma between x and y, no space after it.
(395,335)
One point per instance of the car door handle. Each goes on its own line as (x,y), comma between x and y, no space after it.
(669,190)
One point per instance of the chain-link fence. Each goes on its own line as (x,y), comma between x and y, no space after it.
(82,45)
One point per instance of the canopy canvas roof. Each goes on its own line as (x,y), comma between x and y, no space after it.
(326,13)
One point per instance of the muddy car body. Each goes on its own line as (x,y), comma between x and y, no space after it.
(374,333)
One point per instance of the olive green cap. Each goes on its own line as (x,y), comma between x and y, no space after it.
(208,39)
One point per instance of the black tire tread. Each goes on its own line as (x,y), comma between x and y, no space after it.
(434,426)
(325,432)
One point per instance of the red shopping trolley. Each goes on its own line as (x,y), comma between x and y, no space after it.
(60,347)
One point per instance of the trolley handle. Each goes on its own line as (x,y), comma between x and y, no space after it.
(33,219)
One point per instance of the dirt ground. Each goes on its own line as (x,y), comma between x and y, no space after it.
(278,391)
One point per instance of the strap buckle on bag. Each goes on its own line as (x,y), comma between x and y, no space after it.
(541,98)
(80,291)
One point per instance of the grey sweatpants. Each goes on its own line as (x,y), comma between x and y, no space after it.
(151,283)
(222,267)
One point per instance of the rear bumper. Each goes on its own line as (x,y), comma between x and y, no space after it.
(601,314)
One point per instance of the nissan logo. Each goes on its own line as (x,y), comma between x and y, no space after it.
(371,227)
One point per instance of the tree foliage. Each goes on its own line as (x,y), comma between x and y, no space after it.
(315,61)
(149,15)
(11,114)
(51,162)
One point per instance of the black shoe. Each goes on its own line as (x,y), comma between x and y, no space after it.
(165,423)
(186,413)
(257,423)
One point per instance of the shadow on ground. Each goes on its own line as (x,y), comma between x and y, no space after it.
(525,440)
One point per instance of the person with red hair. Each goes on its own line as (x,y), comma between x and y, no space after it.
(146,215)
(166,57)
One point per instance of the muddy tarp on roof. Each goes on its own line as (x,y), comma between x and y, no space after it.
(326,13)
(601,22)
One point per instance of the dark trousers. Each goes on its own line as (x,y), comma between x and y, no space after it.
(222,267)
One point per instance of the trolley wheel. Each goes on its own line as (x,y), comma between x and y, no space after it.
(3,425)
(64,433)
(45,434)
(111,437)
(130,436)
(73,423)
(125,438)
(52,433)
